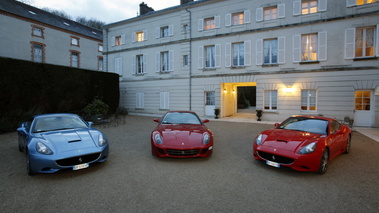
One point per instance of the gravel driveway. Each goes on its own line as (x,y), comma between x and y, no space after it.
(132,180)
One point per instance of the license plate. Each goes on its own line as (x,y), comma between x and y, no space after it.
(274,164)
(80,166)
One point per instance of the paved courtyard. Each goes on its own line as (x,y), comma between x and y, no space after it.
(132,180)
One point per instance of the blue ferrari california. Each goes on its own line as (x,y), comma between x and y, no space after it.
(54,142)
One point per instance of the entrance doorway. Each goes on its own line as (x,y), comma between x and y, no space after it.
(238,98)
(363,108)
(246,99)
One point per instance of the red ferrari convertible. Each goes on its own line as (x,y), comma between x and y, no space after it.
(303,143)
(181,134)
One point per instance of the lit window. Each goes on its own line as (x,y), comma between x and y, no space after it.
(364,42)
(237,18)
(308,100)
(362,100)
(309,47)
(270,13)
(209,23)
(139,36)
(238,54)
(360,2)
(117,40)
(271,100)
(308,6)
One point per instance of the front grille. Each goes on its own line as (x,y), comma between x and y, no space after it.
(178,152)
(275,158)
(78,159)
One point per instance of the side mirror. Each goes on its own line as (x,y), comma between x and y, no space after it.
(156,120)
(277,125)
(21,129)
(205,121)
(90,123)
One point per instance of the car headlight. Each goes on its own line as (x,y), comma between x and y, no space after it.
(102,141)
(258,140)
(308,148)
(157,138)
(206,138)
(43,149)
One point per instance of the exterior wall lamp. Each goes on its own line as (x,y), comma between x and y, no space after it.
(225,91)
(289,89)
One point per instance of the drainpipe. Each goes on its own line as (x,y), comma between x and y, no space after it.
(190,60)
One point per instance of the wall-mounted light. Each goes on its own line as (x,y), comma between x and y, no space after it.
(289,89)
(225,91)
(234,92)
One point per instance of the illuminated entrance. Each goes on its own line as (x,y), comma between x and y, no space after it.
(237,97)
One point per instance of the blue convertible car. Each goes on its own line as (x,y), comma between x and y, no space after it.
(54,142)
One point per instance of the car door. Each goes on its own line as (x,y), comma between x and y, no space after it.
(335,139)
(23,134)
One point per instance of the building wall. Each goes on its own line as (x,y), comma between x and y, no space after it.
(335,78)
(17,39)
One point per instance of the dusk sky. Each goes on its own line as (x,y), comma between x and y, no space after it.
(107,11)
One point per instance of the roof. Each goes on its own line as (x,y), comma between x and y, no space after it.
(26,11)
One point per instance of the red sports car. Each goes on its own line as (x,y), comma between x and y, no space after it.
(303,143)
(181,134)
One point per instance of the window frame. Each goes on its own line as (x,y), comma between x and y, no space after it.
(72,57)
(210,98)
(271,50)
(140,64)
(140,36)
(307,99)
(210,56)
(33,47)
(238,18)
(209,23)
(75,41)
(364,42)
(238,48)
(311,47)
(41,30)
(306,5)
(271,15)
(270,102)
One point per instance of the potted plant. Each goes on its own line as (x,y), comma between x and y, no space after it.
(217,112)
(259,114)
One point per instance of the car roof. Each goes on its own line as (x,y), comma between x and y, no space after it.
(54,115)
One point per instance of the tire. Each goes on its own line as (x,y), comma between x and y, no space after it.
(28,166)
(348,145)
(324,162)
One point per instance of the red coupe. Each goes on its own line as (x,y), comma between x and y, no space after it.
(181,134)
(303,143)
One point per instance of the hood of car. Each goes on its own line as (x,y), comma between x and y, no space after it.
(182,135)
(69,140)
(288,140)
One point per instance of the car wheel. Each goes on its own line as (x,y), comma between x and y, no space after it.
(324,162)
(348,144)
(28,166)
(20,148)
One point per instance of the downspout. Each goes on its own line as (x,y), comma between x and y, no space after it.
(190,59)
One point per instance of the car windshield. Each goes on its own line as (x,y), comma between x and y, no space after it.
(52,123)
(180,118)
(304,124)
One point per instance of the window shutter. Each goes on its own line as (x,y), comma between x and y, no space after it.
(246,16)
(247,55)
(134,69)
(171,30)
(157,32)
(259,14)
(123,39)
(296,8)
(281,10)
(145,35)
(140,100)
(281,50)
(228,54)
(118,66)
(322,5)
(259,52)
(322,46)
(296,48)
(200,57)
(200,24)
(377,40)
(171,60)
(350,3)
(218,55)
(157,62)
(350,43)
(145,63)
(228,20)
(133,37)
(217,21)
(164,100)
(113,41)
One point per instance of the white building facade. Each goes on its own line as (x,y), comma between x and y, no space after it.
(301,56)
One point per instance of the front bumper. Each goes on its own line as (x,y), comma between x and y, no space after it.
(161,151)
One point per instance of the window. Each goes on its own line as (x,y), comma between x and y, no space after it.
(210,57)
(270,13)
(270,51)
(360,2)
(164,31)
(100,48)
(309,47)
(164,100)
(139,36)
(308,6)
(38,52)
(100,63)
(270,100)
(37,31)
(74,59)
(210,98)
(308,100)
(185,28)
(362,100)
(364,42)
(140,64)
(118,40)
(164,61)
(185,60)
(238,18)
(238,54)
(209,23)
(74,41)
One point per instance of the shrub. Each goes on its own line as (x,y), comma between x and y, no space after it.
(97,108)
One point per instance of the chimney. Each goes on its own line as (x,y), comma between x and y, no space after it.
(143,9)
(185,1)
